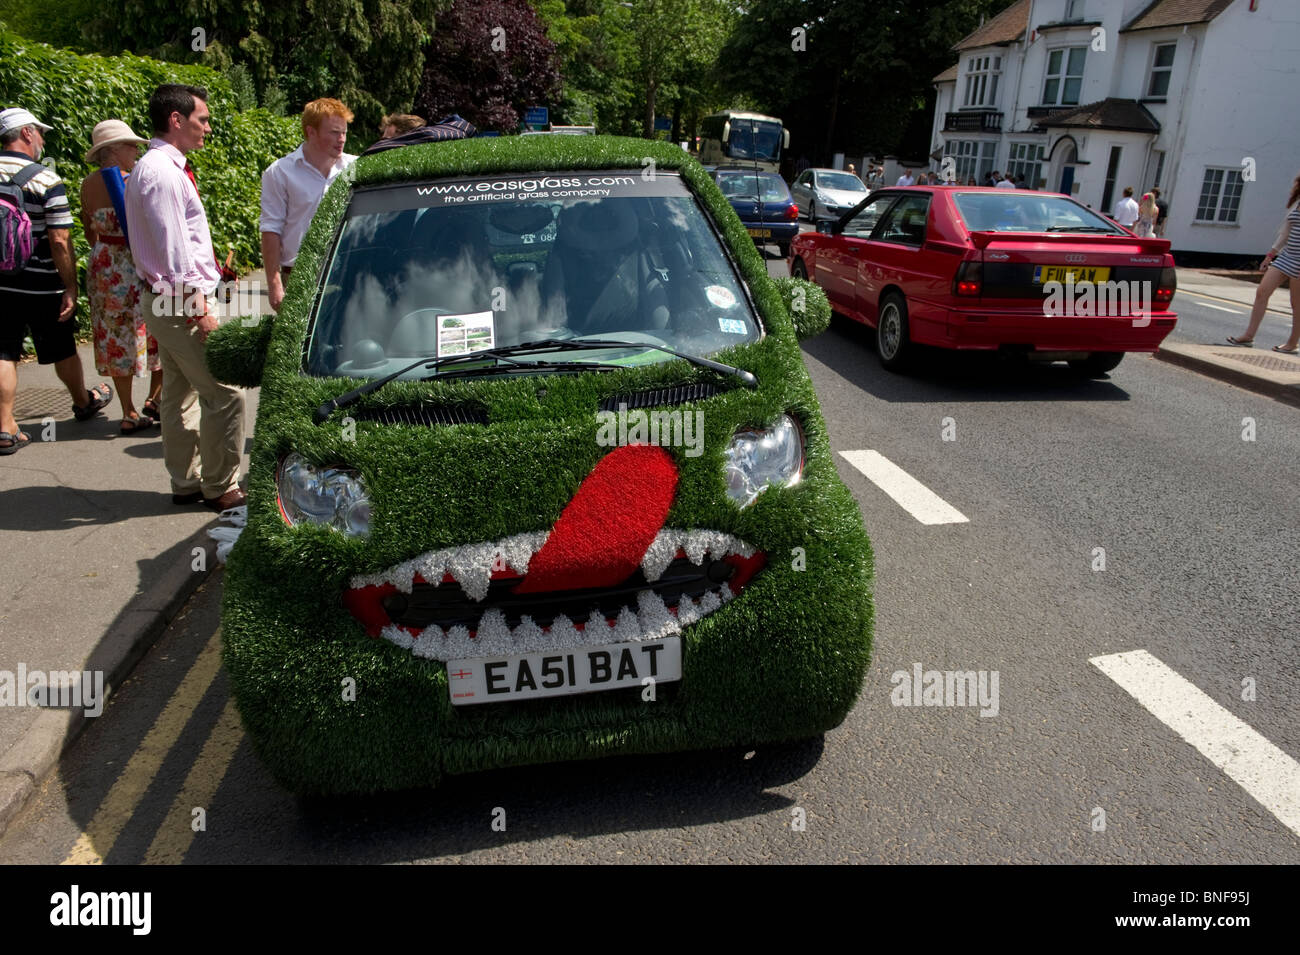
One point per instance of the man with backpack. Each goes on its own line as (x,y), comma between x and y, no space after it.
(38,275)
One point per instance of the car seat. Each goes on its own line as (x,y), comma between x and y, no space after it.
(600,272)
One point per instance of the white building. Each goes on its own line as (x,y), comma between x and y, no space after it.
(1197,97)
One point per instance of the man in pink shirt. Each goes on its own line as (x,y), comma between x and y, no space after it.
(202,419)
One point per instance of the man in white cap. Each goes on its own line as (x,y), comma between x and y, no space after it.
(42,297)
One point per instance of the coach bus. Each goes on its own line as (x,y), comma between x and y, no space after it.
(735,138)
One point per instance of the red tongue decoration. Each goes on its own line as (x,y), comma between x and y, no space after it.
(605,530)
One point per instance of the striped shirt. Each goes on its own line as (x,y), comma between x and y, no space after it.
(47,207)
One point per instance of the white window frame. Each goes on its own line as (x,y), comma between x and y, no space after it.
(1166,71)
(1062,78)
(974,157)
(982,74)
(1219,201)
(1026,159)
(1073,10)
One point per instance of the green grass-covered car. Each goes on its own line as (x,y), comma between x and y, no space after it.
(538,475)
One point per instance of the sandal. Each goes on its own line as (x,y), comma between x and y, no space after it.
(99,396)
(150,408)
(17,441)
(140,422)
(1243,342)
(1286,351)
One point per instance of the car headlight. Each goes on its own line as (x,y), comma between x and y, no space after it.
(333,496)
(759,458)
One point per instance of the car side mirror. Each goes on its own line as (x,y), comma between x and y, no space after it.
(807,304)
(236,353)
(829,226)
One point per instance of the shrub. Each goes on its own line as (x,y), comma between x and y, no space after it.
(72,93)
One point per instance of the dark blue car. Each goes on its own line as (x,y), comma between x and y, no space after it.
(763,202)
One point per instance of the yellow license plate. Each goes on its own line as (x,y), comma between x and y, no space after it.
(761,233)
(1069,274)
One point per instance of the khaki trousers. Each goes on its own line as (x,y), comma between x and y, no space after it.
(202,419)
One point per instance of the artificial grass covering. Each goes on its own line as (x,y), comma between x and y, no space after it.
(783,660)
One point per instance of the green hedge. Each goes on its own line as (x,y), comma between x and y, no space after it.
(72,93)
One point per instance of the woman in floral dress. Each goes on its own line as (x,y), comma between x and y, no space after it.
(123,346)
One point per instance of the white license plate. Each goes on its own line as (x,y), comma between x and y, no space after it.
(564,672)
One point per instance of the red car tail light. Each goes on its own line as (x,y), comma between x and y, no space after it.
(792,212)
(1165,289)
(970,280)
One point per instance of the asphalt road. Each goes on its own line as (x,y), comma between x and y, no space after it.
(1200,535)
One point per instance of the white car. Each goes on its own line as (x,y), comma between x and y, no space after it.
(830,192)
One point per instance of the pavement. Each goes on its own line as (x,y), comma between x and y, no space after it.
(95,561)
(1258,369)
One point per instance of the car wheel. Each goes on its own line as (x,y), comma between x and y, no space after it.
(798,270)
(893,343)
(784,249)
(812,211)
(1098,363)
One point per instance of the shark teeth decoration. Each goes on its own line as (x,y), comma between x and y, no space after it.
(651,621)
(472,566)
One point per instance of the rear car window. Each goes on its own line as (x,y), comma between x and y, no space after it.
(451,266)
(1014,211)
(767,187)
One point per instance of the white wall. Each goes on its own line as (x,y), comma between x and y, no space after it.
(1242,103)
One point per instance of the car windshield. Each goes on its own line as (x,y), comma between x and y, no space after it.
(1008,211)
(840,180)
(450,267)
(755,139)
(768,187)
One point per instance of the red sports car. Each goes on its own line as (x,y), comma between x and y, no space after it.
(980,268)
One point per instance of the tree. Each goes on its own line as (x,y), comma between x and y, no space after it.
(858,77)
(489,60)
(368,53)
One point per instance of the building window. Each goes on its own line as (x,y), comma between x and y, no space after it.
(1160,168)
(974,159)
(1162,68)
(1074,9)
(1025,162)
(1112,171)
(1220,196)
(982,74)
(1064,76)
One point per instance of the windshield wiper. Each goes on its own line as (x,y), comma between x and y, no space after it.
(501,354)
(564,344)
(1082,228)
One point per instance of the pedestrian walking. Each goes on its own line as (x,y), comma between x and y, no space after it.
(1126,210)
(906,179)
(1145,227)
(38,275)
(293,186)
(1162,212)
(202,419)
(123,346)
(1282,261)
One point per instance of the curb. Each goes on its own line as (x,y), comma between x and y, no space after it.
(1289,394)
(25,766)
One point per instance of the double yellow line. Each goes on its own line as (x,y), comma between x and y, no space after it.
(176,833)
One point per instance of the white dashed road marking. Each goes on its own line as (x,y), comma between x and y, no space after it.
(1269,775)
(909,493)
(1230,311)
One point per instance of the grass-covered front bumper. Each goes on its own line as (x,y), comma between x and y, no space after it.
(782,660)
